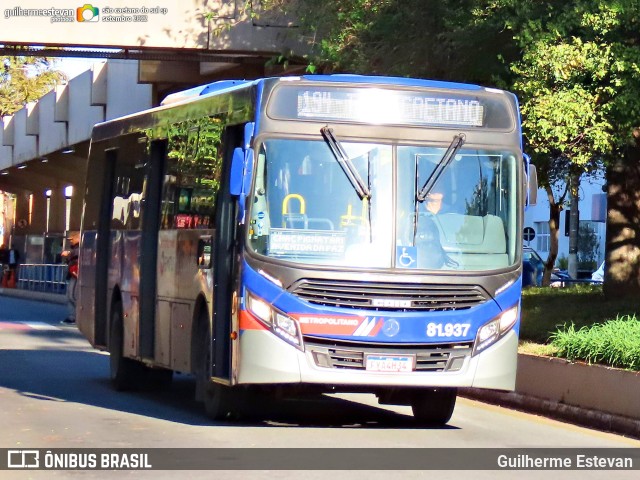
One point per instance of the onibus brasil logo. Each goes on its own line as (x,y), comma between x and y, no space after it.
(87,13)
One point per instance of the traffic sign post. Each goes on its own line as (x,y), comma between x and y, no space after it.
(528,234)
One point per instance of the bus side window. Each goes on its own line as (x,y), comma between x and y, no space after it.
(194,169)
(128,200)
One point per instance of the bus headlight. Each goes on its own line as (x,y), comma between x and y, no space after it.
(280,324)
(490,332)
(259,308)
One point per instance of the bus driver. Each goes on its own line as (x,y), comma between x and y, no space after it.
(431,254)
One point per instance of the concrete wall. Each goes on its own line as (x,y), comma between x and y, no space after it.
(6,142)
(83,112)
(52,134)
(593,387)
(66,115)
(25,146)
(195,24)
(124,95)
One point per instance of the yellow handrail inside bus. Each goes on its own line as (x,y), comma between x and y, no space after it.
(350,219)
(285,205)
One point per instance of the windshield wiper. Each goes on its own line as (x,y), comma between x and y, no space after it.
(345,162)
(444,162)
(454,146)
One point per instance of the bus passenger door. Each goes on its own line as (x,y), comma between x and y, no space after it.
(149,246)
(96,247)
(226,260)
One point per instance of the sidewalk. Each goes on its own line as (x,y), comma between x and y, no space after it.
(592,396)
(30,295)
(588,395)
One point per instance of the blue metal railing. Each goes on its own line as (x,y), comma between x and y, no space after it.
(42,277)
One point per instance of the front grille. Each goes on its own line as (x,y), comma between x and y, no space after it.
(432,358)
(389,296)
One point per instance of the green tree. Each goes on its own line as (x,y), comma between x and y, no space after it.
(566,120)
(439,39)
(578,83)
(24,79)
(574,64)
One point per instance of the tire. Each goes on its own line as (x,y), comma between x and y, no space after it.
(217,401)
(433,407)
(216,397)
(158,379)
(125,373)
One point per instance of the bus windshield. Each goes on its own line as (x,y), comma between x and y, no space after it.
(306,210)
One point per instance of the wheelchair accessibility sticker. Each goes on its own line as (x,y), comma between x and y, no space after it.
(406,257)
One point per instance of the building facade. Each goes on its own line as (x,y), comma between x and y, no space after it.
(592,227)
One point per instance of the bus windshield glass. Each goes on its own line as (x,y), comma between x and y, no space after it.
(306,210)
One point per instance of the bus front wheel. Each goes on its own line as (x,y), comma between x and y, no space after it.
(433,406)
(216,397)
(125,373)
(217,401)
(158,379)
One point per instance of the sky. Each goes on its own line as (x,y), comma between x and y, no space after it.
(75,66)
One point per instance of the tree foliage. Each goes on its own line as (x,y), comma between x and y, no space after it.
(24,79)
(575,65)
(577,79)
(440,39)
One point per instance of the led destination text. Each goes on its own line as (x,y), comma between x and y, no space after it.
(391,107)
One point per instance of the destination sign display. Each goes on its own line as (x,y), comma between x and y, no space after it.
(390,107)
(311,243)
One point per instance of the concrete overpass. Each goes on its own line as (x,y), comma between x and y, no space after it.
(43,150)
(44,146)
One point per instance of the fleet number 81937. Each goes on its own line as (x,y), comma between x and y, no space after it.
(447,329)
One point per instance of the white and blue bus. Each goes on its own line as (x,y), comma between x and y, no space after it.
(334,233)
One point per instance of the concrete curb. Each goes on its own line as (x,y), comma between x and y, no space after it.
(593,396)
(580,416)
(37,296)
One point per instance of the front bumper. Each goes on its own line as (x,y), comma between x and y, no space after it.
(265,359)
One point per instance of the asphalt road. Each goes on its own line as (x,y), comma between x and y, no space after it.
(55,393)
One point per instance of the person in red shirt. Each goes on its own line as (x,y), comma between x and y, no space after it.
(70,257)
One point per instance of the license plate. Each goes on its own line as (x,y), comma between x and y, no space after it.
(389,363)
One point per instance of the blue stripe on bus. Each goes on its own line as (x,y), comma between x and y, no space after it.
(412,324)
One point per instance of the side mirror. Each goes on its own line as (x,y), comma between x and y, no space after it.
(248,171)
(241,171)
(205,250)
(237,167)
(248,134)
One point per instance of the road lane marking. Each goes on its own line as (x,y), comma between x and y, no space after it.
(16,325)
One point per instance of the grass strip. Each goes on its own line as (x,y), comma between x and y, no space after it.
(615,342)
(547,310)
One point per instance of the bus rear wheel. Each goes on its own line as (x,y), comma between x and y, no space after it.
(433,406)
(125,373)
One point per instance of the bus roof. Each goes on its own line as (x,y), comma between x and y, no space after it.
(185,97)
(402,81)
(217,87)
(200,90)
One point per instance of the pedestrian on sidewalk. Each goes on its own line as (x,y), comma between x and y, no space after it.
(4,265)
(10,276)
(70,257)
